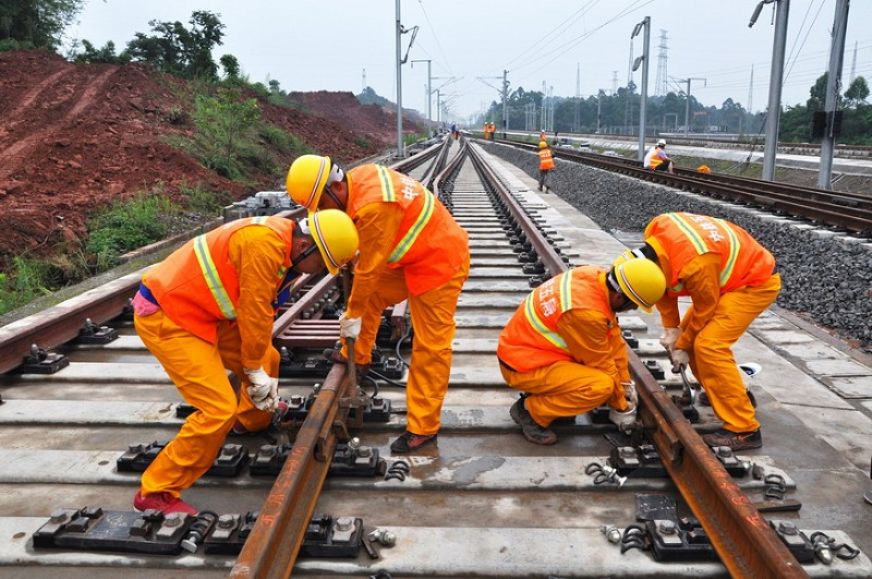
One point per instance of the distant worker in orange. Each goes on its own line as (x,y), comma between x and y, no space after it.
(563,347)
(657,160)
(209,307)
(730,279)
(543,136)
(485,129)
(704,169)
(546,165)
(411,248)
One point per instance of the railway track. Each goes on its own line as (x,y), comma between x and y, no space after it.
(846,211)
(484,503)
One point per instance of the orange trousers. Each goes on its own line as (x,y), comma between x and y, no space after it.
(711,358)
(433,320)
(560,390)
(199,371)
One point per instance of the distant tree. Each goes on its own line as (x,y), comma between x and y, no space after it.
(230,64)
(35,23)
(177,50)
(91,54)
(817,94)
(858,91)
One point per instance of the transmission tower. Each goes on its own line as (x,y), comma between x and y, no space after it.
(614,82)
(661,84)
(363,80)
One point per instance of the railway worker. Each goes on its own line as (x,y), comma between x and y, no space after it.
(730,279)
(411,248)
(657,160)
(563,347)
(546,165)
(208,308)
(542,136)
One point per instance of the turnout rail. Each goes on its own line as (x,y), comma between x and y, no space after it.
(474,496)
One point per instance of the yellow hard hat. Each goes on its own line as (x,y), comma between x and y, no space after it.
(543,145)
(336,237)
(307,177)
(624,257)
(641,280)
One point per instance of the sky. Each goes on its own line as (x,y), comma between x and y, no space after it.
(310,45)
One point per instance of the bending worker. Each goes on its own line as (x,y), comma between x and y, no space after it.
(546,164)
(563,347)
(730,279)
(656,159)
(208,308)
(410,248)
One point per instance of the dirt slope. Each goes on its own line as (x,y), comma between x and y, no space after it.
(73,138)
(373,121)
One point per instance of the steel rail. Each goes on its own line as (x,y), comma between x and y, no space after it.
(272,547)
(744,541)
(271,550)
(848,211)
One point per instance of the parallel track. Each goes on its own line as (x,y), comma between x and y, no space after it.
(848,211)
(500,506)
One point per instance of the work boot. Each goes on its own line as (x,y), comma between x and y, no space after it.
(532,431)
(734,440)
(163,502)
(408,442)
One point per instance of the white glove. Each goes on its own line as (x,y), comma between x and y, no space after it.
(349,327)
(679,358)
(262,389)
(630,393)
(669,337)
(623,420)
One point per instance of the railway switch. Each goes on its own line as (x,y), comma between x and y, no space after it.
(91,333)
(93,529)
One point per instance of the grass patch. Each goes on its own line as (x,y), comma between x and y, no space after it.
(128,225)
(205,202)
(285,142)
(26,280)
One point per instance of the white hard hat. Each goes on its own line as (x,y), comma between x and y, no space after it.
(661,143)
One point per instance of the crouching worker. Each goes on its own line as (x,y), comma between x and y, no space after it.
(208,308)
(563,348)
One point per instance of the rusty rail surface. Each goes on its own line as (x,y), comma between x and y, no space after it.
(849,211)
(744,541)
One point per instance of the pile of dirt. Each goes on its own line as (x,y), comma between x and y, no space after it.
(378,124)
(74,138)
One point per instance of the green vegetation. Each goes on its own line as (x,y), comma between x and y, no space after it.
(856,127)
(35,23)
(204,202)
(128,225)
(414,138)
(26,280)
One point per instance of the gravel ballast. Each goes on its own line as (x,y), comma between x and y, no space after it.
(827,278)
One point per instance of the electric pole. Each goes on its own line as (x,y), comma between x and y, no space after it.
(834,81)
(400,152)
(429,92)
(646,40)
(776,75)
(505,102)
(687,104)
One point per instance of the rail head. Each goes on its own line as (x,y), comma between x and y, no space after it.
(745,542)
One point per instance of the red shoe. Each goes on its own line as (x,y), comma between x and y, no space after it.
(163,502)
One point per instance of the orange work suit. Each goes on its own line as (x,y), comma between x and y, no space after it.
(188,333)
(388,208)
(563,347)
(730,279)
